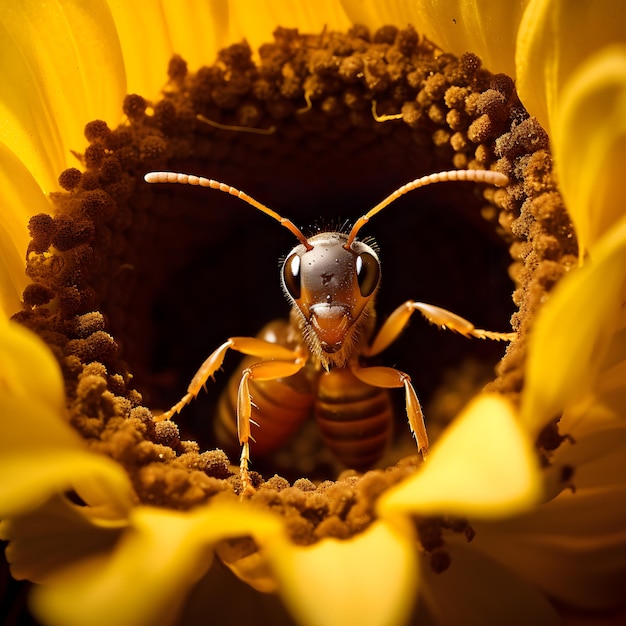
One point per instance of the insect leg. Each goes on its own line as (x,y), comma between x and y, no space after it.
(389,378)
(246,345)
(396,322)
(263,370)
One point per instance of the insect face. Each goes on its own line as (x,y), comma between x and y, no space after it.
(331,289)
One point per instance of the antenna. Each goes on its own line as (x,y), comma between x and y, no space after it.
(477,176)
(188,179)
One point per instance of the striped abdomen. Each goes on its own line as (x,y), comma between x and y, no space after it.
(279,410)
(355,419)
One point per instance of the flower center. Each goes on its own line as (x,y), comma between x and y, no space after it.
(133,287)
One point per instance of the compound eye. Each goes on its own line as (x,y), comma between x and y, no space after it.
(291,275)
(368,273)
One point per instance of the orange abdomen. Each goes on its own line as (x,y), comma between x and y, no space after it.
(279,408)
(355,419)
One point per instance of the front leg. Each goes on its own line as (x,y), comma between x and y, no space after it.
(390,378)
(396,322)
(246,345)
(263,370)
(278,362)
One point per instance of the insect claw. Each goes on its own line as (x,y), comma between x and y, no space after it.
(247,491)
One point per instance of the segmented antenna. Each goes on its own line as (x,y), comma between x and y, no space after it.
(477,176)
(189,179)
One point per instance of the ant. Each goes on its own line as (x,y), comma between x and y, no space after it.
(314,360)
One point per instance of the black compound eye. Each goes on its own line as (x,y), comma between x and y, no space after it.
(291,275)
(368,273)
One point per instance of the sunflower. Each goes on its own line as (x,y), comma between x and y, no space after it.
(517,515)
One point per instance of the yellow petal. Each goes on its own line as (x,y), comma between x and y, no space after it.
(145,579)
(22,353)
(590,144)
(367,580)
(61,67)
(40,454)
(573,548)
(253,568)
(483,466)
(595,452)
(598,459)
(610,393)
(55,535)
(573,332)
(555,37)
(257,26)
(198,30)
(20,199)
(147,49)
(477,591)
(486,27)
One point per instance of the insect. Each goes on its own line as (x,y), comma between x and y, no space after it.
(316,361)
